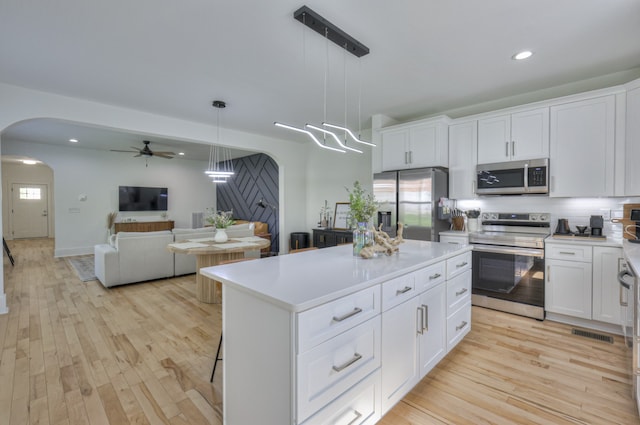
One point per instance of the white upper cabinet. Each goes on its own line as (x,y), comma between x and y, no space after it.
(582,148)
(517,136)
(463,157)
(414,146)
(632,144)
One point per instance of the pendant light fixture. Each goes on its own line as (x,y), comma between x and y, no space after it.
(220,164)
(331,32)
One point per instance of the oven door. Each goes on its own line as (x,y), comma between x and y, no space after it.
(509,273)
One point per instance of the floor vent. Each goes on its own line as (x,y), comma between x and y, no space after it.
(593,335)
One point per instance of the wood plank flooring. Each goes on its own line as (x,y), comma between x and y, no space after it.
(77,353)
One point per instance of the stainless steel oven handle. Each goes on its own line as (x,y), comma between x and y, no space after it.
(509,250)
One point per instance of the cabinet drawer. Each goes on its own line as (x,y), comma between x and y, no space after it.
(324,322)
(430,276)
(333,367)
(568,252)
(458,291)
(458,325)
(397,290)
(458,264)
(358,406)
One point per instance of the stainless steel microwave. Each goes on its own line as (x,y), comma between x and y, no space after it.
(513,178)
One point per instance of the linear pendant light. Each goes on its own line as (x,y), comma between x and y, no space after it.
(332,33)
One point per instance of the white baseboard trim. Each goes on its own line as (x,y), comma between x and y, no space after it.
(584,323)
(3,304)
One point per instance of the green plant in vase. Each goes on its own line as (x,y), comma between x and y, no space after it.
(362,206)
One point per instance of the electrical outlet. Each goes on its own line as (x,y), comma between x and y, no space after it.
(606,214)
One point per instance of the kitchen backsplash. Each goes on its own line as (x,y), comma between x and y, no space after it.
(576,210)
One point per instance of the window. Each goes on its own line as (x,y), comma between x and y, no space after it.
(30,193)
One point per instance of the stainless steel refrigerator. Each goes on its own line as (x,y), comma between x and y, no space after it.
(411,197)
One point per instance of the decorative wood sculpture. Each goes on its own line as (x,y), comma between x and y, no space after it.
(383,243)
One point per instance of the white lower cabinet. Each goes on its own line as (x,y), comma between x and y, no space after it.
(346,361)
(419,332)
(581,281)
(399,352)
(358,406)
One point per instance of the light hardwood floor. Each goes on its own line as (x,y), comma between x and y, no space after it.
(77,353)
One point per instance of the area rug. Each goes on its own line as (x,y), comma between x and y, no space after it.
(84,267)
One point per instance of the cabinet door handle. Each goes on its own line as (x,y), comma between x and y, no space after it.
(354,420)
(461,325)
(403,291)
(426,317)
(548,275)
(513,148)
(464,263)
(460,292)
(420,320)
(351,361)
(347,315)
(406,157)
(506,149)
(437,275)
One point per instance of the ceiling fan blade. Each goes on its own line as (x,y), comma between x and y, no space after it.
(119,150)
(136,149)
(135,156)
(162,155)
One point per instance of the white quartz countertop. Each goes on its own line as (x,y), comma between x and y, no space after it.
(632,255)
(579,240)
(301,281)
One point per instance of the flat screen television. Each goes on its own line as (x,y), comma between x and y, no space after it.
(135,198)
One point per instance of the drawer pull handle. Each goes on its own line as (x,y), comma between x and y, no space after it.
(354,420)
(437,275)
(347,315)
(354,359)
(426,317)
(460,292)
(403,291)
(461,264)
(461,326)
(567,253)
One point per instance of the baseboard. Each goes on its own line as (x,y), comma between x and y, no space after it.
(3,304)
(584,323)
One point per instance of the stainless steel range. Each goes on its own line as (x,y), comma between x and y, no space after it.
(508,262)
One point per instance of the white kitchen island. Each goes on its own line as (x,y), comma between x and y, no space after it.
(323,337)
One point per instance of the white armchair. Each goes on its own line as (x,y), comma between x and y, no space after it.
(134,257)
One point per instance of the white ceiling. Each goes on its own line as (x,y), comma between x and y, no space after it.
(427,56)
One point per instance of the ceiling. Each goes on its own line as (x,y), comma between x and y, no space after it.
(426,57)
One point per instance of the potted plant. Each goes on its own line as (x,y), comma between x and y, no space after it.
(362,206)
(220,220)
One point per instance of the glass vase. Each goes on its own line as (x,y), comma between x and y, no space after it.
(362,237)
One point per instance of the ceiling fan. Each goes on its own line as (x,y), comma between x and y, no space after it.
(146,151)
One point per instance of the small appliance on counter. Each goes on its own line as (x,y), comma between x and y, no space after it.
(596,224)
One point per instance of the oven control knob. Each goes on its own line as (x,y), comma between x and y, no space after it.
(544,218)
(533,217)
(485,216)
(494,216)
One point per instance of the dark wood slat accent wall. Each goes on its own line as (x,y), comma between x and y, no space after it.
(256,177)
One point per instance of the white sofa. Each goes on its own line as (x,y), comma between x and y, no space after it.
(134,257)
(140,256)
(185,263)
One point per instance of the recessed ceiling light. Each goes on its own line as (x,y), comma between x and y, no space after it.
(522,55)
(73,140)
(29,162)
(181,153)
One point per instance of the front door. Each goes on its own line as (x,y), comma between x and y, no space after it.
(29,211)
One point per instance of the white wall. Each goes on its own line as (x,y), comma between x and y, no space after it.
(329,173)
(82,224)
(18,104)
